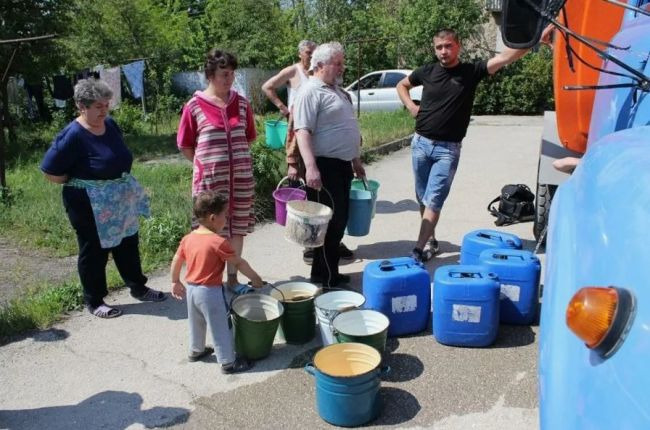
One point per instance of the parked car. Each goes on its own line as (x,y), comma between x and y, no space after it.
(378,90)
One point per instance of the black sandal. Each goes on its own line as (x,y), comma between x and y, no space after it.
(207,351)
(152,296)
(239,365)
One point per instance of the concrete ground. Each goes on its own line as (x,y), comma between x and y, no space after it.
(132,372)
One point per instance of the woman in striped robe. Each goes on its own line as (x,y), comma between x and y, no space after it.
(215,132)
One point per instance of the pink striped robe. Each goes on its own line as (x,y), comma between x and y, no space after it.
(222,158)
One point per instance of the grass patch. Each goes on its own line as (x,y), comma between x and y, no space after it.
(378,128)
(32,214)
(40,307)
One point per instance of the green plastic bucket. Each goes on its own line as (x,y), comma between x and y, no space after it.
(373,187)
(362,326)
(299,320)
(276,133)
(255,319)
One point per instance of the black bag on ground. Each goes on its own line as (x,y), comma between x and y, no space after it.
(516,204)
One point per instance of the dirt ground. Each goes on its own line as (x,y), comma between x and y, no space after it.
(21,269)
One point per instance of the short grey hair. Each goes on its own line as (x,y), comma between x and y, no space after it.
(324,54)
(306,44)
(88,91)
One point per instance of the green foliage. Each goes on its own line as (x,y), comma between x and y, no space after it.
(130,118)
(378,128)
(523,88)
(21,19)
(420,19)
(39,308)
(269,167)
(160,235)
(254,30)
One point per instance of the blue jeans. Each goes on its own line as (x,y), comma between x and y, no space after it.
(434,166)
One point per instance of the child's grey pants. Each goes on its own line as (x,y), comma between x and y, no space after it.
(206,307)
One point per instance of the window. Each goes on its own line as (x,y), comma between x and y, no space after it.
(391,79)
(370,82)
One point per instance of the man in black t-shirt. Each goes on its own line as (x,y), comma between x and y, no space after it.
(441,122)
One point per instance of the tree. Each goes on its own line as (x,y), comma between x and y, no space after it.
(20,20)
(255,30)
(420,19)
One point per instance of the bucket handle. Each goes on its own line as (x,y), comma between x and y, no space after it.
(309,368)
(332,316)
(284,299)
(302,182)
(384,370)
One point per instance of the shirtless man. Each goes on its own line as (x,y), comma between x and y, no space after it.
(292,76)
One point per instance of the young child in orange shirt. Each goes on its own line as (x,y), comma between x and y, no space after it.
(205,254)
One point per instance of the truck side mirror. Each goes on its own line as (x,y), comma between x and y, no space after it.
(521,23)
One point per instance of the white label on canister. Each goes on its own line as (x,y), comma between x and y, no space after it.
(510,291)
(465,313)
(404,304)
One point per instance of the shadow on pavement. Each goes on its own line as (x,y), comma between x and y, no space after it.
(49,335)
(399,406)
(110,410)
(388,207)
(384,250)
(171,309)
(403,367)
(514,335)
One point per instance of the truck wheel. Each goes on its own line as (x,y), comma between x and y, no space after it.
(545,193)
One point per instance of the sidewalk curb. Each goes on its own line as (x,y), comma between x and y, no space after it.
(389,147)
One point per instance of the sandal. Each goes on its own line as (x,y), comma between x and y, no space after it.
(434,246)
(105,311)
(152,296)
(239,365)
(205,353)
(421,256)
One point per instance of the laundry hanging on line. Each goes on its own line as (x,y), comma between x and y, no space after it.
(62,87)
(112,78)
(134,76)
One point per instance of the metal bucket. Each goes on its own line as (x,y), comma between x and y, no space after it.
(363,326)
(329,305)
(255,319)
(347,383)
(298,321)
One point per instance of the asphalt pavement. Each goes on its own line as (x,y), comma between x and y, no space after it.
(132,372)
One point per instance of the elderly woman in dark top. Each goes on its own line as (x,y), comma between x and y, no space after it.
(102,200)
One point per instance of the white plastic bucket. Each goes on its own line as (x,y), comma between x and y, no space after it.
(329,305)
(306,223)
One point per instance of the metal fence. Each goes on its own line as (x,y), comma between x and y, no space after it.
(493,5)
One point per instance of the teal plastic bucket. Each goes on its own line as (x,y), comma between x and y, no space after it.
(373,187)
(360,213)
(276,133)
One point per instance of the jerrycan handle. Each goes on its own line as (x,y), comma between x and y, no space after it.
(389,266)
(498,256)
(488,236)
(464,275)
(386,266)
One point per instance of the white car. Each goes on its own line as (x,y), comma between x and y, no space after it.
(378,92)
